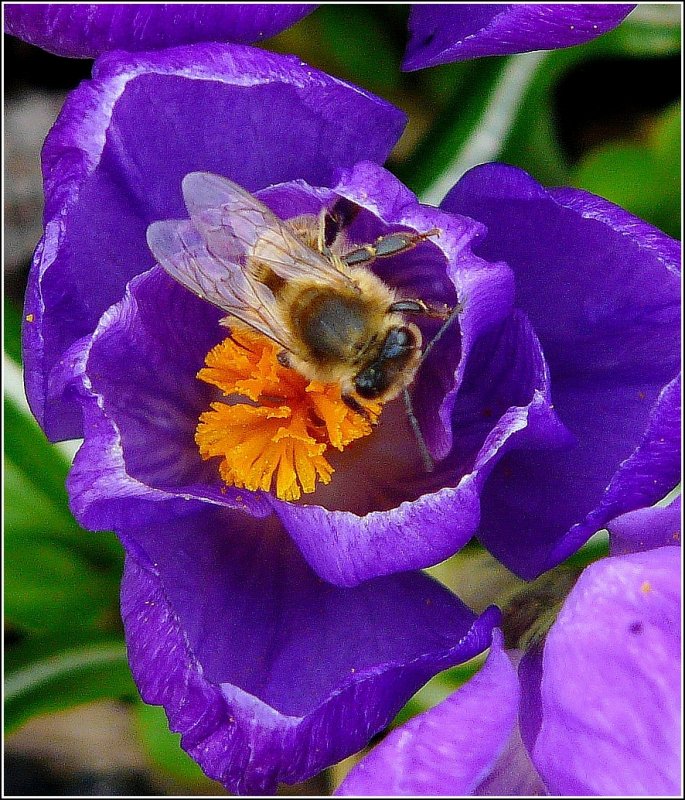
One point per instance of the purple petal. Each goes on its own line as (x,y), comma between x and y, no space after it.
(136,381)
(611,689)
(458,747)
(442,33)
(115,159)
(84,30)
(269,673)
(610,334)
(646,529)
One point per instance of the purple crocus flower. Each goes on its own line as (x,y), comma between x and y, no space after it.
(84,30)
(270,672)
(594,711)
(459,31)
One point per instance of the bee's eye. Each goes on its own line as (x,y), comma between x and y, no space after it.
(398,342)
(369,383)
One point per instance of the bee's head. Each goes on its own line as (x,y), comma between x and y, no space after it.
(392,367)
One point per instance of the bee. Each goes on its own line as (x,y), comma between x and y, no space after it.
(299,283)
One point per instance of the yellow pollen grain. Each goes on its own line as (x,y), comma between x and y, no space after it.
(29,318)
(274,433)
(646,587)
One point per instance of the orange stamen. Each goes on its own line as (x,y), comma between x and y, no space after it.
(281,430)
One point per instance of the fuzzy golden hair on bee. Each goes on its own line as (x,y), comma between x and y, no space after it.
(301,284)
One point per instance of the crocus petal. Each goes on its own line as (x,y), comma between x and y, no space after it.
(610,690)
(84,30)
(646,528)
(269,673)
(115,159)
(442,33)
(454,748)
(610,334)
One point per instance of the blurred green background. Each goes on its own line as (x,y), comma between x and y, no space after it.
(604,116)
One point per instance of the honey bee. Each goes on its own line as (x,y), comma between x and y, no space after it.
(299,283)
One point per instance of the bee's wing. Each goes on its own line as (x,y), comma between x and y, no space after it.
(237,227)
(182,251)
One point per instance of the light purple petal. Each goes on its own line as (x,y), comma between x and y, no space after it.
(454,748)
(610,332)
(84,30)
(441,33)
(646,529)
(269,673)
(611,684)
(115,159)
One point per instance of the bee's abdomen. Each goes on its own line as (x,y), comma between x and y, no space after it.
(333,327)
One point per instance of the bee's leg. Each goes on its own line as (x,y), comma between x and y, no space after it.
(337,218)
(420,307)
(385,246)
(356,406)
(321,244)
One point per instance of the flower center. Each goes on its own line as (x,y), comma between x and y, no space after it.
(277,426)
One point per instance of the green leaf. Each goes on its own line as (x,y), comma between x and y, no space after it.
(56,574)
(164,747)
(439,688)
(50,586)
(363,48)
(356,42)
(650,30)
(27,447)
(488,120)
(49,674)
(504,111)
(12,328)
(621,172)
(642,178)
(531,141)
(437,158)
(28,507)
(39,471)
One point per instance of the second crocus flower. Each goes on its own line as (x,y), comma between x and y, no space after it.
(592,708)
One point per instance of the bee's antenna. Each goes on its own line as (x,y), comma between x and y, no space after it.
(428,462)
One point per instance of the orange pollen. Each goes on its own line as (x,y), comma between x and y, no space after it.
(278,425)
